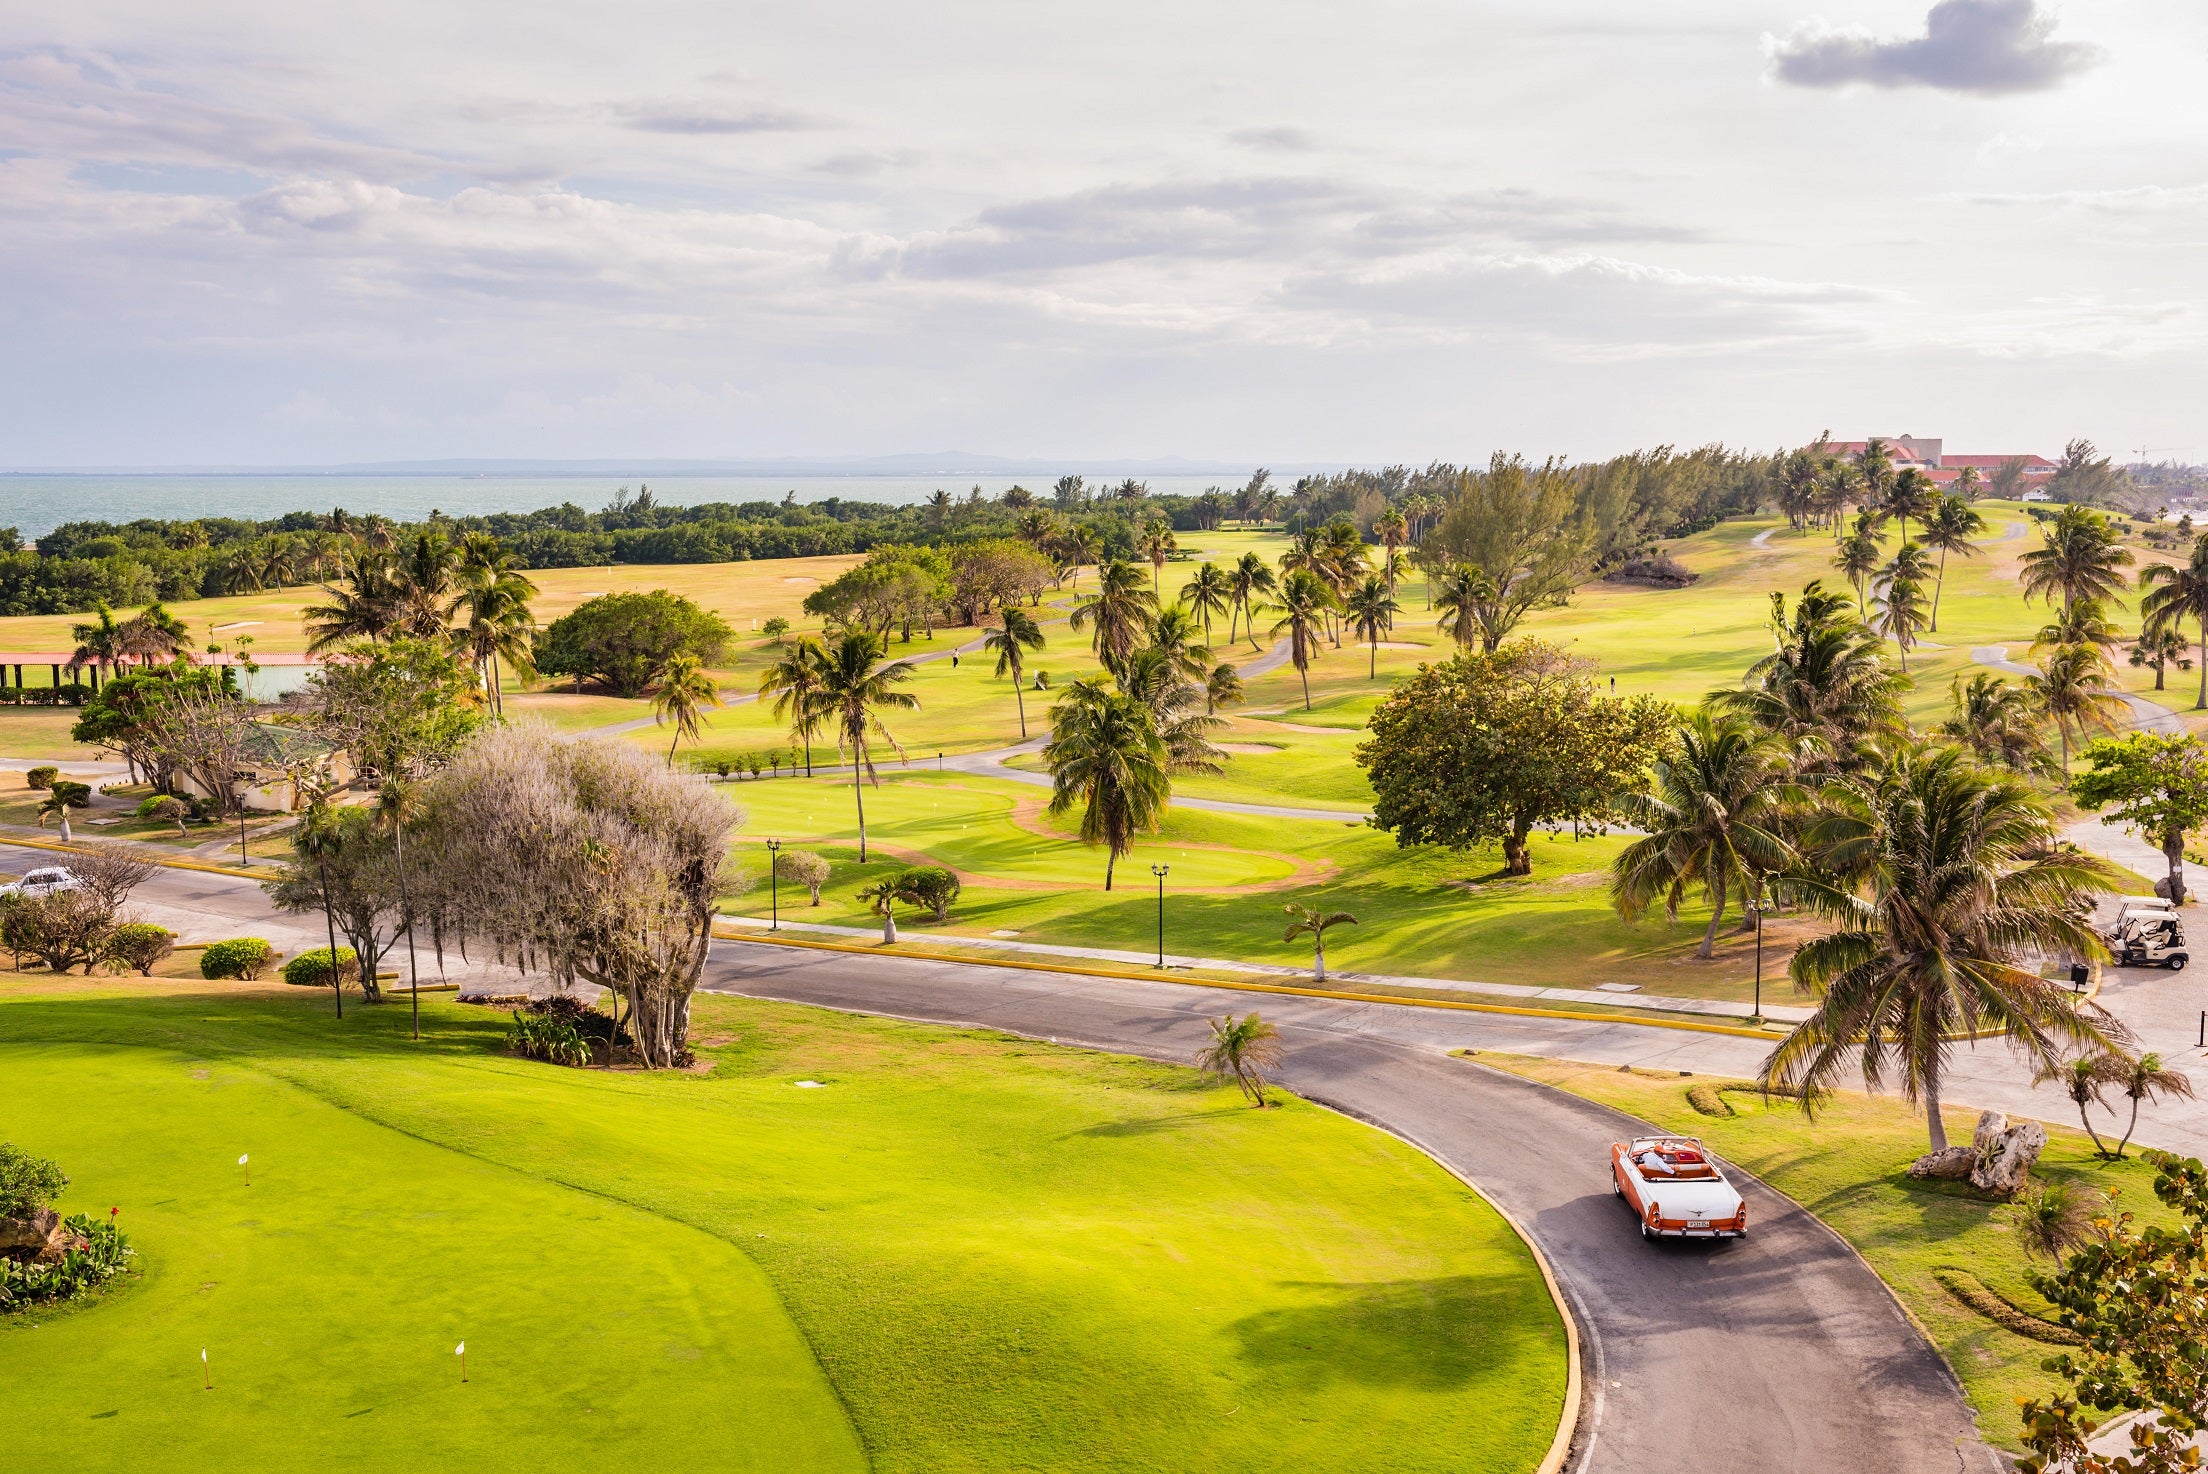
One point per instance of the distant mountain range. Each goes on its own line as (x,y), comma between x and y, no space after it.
(937,463)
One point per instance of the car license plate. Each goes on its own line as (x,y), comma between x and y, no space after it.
(1698,1223)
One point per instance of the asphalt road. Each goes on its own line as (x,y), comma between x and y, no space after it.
(1781,1351)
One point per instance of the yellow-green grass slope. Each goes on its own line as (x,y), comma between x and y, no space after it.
(1847,1168)
(963,1252)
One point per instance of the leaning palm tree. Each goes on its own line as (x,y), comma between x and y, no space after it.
(685,690)
(1304,602)
(1210,592)
(1119,613)
(1714,818)
(1223,687)
(1372,610)
(794,681)
(361,606)
(1242,1050)
(2073,688)
(2001,724)
(856,685)
(1107,755)
(1899,610)
(2174,595)
(1010,643)
(2079,557)
(2082,1079)
(1251,577)
(2144,1078)
(1946,886)
(1314,923)
(1949,529)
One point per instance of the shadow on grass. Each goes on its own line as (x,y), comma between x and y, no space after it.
(1432,1335)
(1151,1125)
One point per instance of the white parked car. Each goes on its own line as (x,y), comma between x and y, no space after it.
(1676,1189)
(44,881)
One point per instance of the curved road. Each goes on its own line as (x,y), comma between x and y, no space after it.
(1779,1352)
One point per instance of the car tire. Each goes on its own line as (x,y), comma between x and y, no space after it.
(2177,963)
(1615,1190)
(1648,1233)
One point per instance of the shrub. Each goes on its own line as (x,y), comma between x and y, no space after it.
(802,867)
(97,1253)
(585,1020)
(27,1183)
(311,969)
(240,957)
(140,945)
(549,1037)
(933,887)
(167,808)
(41,777)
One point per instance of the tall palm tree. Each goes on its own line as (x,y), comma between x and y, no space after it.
(1372,610)
(1107,755)
(361,606)
(2144,1078)
(1898,611)
(496,625)
(2073,688)
(1119,610)
(1079,545)
(99,643)
(1946,886)
(1010,644)
(1156,543)
(1858,557)
(1251,577)
(1304,602)
(2001,724)
(153,634)
(1909,494)
(1392,529)
(2174,595)
(2078,558)
(1210,592)
(794,680)
(1315,924)
(426,586)
(1949,529)
(1243,1050)
(685,690)
(1459,593)
(1714,818)
(856,685)
(1179,638)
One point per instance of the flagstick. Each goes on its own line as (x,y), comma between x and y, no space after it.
(461,1351)
(207,1372)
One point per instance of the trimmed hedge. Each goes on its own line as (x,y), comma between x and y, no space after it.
(140,945)
(240,957)
(311,969)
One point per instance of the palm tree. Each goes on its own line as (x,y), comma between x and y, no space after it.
(1252,576)
(1304,601)
(1223,687)
(2174,595)
(1314,923)
(882,897)
(794,681)
(1079,545)
(1210,592)
(856,684)
(1179,638)
(2142,1079)
(1949,528)
(685,690)
(2083,1079)
(153,634)
(99,643)
(361,607)
(2078,558)
(2073,687)
(1459,593)
(2160,648)
(1967,482)
(1946,885)
(1120,610)
(1392,530)
(1242,1050)
(1715,817)
(426,586)
(2083,623)
(2001,724)
(1372,610)
(1107,755)
(1010,644)
(1908,495)
(1157,544)
(1857,559)
(61,797)
(1825,691)
(496,625)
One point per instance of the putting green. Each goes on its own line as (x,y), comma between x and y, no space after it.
(963,1252)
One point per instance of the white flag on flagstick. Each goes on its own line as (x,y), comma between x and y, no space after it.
(202,1353)
(241,1159)
(461,1349)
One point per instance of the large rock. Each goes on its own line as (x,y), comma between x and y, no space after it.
(1955,1162)
(29,1236)
(1998,1160)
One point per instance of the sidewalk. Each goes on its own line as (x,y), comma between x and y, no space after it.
(1519,992)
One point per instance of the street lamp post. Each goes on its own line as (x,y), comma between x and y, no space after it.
(1759,903)
(1160,872)
(245,860)
(774,884)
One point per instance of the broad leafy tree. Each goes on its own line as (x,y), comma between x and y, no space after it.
(623,641)
(1485,748)
(1520,525)
(2153,784)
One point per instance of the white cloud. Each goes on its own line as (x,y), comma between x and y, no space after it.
(1974,46)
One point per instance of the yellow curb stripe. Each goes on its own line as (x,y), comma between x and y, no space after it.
(875,950)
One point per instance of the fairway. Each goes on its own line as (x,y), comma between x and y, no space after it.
(963,1251)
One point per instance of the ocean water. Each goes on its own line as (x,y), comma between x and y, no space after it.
(36,504)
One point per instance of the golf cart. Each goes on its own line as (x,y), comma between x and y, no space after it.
(2147,934)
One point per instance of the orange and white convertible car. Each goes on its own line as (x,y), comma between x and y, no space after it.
(1675,1186)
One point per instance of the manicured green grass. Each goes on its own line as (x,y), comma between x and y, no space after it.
(1847,1168)
(42,732)
(966,1252)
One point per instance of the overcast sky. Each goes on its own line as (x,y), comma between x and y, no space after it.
(272,232)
